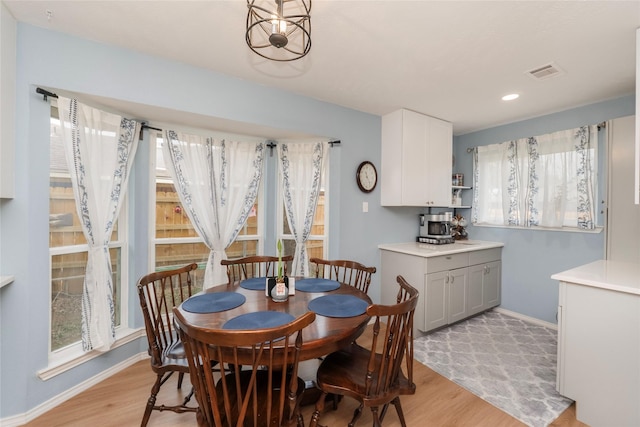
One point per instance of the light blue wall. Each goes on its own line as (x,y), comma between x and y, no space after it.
(55,60)
(58,61)
(529,258)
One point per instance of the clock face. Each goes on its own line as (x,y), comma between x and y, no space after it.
(366,177)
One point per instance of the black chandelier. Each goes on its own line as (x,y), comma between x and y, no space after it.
(283,34)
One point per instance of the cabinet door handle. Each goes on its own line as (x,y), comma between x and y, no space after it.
(448,257)
(452,278)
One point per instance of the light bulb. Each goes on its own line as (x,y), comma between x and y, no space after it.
(278,26)
(278,37)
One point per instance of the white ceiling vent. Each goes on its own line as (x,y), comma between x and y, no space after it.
(545,72)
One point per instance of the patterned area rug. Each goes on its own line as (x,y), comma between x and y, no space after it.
(506,361)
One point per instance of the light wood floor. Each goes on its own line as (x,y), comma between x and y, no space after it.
(119,401)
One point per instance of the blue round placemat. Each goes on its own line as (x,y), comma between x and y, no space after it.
(213,302)
(314,284)
(254,283)
(338,305)
(258,320)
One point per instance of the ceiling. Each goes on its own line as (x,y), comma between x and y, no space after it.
(449,59)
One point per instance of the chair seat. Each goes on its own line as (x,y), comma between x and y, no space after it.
(173,358)
(262,382)
(175,350)
(345,370)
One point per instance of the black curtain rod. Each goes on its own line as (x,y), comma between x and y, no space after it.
(601,125)
(272,144)
(144,125)
(45,93)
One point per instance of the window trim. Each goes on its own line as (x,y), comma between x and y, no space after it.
(596,230)
(70,359)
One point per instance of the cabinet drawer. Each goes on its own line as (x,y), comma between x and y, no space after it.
(486,255)
(446,262)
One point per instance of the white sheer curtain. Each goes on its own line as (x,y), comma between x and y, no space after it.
(543,181)
(301,168)
(217,182)
(99,148)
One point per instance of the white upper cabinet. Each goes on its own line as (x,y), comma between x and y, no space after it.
(416,160)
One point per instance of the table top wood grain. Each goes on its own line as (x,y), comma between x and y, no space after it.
(325,335)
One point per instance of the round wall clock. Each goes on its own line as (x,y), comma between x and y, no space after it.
(366,177)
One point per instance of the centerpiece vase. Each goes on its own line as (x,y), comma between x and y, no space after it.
(279,288)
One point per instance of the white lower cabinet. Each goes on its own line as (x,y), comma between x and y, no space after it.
(446,297)
(484,286)
(452,287)
(436,301)
(599,347)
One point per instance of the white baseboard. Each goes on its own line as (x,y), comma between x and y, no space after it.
(21,419)
(526,318)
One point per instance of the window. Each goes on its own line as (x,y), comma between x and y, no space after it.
(316,243)
(547,181)
(302,192)
(68,251)
(176,241)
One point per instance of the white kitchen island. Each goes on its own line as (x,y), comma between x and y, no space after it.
(599,342)
(455,281)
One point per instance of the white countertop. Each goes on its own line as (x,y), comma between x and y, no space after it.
(613,275)
(427,250)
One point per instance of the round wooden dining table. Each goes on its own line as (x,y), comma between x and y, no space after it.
(324,336)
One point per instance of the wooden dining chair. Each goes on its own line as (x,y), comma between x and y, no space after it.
(266,392)
(344,271)
(380,373)
(351,273)
(159,292)
(254,266)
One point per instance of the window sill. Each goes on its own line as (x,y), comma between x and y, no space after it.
(565,229)
(76,358)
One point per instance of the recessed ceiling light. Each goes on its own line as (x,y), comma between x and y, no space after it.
(510,97)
